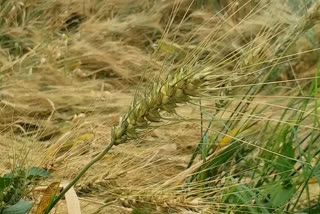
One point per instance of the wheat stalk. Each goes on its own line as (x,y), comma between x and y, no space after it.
(176,89)
(180,87)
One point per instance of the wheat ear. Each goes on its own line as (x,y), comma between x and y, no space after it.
(178,88)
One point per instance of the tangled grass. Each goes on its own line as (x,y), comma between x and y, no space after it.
(247,70)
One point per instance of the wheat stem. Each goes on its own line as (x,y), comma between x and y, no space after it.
(79,175)
(178,88)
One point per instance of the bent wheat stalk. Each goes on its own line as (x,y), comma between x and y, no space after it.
(178,88)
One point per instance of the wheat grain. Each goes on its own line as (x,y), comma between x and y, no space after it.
(163,97)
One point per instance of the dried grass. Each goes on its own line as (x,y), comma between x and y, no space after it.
(59,84)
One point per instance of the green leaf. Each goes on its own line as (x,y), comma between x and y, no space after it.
(316,172)
(8,175)
(215,6)
(4,182)
(204,145)
(136,212)
(21,207)
(244,195)
(212,167)
(224,156)
(143,210)
(284,164)
(36,172)
(280,194)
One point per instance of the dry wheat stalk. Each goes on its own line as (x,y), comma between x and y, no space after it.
(179,88)
(183,85)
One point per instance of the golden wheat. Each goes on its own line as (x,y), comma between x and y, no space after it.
(182,86)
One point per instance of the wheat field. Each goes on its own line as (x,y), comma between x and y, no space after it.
(182,106)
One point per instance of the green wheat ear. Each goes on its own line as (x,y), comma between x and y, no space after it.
(178,88)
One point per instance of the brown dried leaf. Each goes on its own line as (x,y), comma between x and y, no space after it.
(53,189)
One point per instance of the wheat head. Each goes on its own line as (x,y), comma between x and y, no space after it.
(177,89)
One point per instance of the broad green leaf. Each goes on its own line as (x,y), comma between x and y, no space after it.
(21,207)
(243,195)
(285,165)
(8,175)
(213,165)
(204,145)
(225,155)
(4,182)
(215,6)
(135,211)
(143,210)
(36,172)
(280,194)
(316,172)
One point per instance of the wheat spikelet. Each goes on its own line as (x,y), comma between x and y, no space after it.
(163,201)
(181,86)
(162,97)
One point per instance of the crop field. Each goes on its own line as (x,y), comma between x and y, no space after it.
(160,106)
